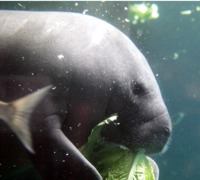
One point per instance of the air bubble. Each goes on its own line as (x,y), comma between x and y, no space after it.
(85,11)
(61,57)
(125,8)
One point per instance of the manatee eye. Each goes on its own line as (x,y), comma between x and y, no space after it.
(138,89)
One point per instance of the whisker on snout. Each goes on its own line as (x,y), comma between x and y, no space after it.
(166,147)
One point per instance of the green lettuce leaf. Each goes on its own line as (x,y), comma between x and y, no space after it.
(113,161)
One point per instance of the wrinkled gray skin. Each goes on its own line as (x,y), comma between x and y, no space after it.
(96,71)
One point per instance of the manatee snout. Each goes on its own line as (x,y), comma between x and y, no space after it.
(153,135)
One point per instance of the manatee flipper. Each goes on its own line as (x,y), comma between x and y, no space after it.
(154,167)
(56,156)
(17,115)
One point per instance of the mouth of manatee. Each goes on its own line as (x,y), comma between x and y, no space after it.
(151,139)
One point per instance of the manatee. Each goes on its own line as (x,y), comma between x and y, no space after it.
(94,71)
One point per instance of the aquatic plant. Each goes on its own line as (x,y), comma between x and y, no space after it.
(142,12)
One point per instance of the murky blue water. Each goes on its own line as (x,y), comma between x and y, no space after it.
(171,45)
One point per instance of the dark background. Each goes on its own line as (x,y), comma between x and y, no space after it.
(160,41)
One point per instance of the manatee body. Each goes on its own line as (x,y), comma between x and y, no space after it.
(96,71)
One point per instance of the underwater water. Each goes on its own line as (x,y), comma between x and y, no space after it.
(170,42)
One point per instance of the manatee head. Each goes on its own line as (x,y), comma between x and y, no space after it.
(143,119)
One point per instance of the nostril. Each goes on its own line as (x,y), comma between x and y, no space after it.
(166,131)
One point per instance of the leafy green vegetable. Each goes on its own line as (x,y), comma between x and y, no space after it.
(116,162)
